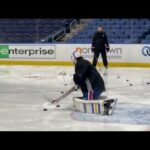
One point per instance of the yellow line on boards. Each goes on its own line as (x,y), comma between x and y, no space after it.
(67,63)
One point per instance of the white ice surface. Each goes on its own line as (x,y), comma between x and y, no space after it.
(21,99)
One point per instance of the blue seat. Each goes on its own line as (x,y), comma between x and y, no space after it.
(147,37)
(130,41)
(135,36)
(117,27)
(147,23)
(144,19)
(136,27)
(117,41)
(125,27)
(25,29)
(145,42)
(123,36)
(88,41)
(137,31)
(139,23)
(117,30)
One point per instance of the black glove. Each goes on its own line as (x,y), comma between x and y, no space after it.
(107,49)
(93,49)
(78,79)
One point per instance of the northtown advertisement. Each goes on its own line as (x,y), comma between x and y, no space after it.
(28,51)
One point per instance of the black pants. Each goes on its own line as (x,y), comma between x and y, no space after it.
(104,58)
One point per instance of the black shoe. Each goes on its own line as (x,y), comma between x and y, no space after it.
(106,108)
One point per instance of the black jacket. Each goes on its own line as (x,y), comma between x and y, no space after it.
(84,70)
(99,41)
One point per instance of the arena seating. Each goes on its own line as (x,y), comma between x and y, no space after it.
(31,30)
(128,31)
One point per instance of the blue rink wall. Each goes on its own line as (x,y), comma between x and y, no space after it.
(120,55)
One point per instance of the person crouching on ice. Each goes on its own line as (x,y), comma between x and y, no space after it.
(87,78)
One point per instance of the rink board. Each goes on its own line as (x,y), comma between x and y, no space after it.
(65,63)
(120,55)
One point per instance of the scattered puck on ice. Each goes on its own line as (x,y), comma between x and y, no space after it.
(118,77)
(130,84)
(104,74)
(57,105)
(65,84)
(148,83)
(62,92)
(127,80)
(45,109)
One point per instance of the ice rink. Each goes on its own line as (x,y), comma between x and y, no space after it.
(22,91)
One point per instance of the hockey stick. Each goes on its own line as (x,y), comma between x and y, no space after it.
(53,101)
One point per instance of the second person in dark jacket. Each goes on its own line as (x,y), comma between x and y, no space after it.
(100,46)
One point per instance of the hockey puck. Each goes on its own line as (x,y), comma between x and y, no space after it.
(130,84)
(45,109)
(62,92)
(57,105)
(65,84)
(104,74)
(127,80)
(148,83)
(118,77)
